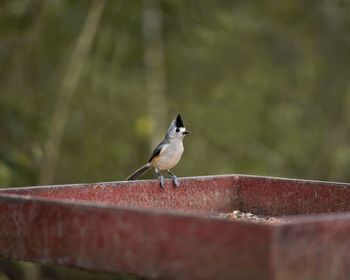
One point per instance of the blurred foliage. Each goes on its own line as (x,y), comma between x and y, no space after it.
(262,85)
(10,270)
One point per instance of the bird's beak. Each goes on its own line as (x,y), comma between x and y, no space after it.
(186,132)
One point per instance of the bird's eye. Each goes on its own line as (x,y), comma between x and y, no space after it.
(177,130)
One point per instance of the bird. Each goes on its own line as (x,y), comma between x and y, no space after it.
(167,154)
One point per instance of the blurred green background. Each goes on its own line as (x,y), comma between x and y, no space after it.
(88,87)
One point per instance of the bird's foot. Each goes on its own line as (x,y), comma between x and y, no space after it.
(175,181)
(162,181)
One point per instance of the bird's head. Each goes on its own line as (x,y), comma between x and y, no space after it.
(177,128)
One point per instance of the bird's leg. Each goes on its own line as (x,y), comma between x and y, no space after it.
(161,178)
(173,176)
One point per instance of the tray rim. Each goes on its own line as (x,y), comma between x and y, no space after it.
(8,194)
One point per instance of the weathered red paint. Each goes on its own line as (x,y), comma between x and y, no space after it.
(138,227)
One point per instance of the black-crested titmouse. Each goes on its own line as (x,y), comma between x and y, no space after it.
(167,154)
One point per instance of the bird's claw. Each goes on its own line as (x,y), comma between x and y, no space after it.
(175,181)
(162,181)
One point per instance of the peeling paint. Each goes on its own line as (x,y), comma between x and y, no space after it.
(138,227)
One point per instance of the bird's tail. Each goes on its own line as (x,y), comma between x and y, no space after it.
(139,172)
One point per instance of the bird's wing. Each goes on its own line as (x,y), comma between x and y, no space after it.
(158,150)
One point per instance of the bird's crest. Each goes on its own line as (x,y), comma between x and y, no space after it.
(178,121)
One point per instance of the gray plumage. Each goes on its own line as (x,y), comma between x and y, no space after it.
(157,149)
(139,172)
(167,154)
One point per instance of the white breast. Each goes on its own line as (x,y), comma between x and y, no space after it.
(170,155)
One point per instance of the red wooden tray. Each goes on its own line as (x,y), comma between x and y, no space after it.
(139,228)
